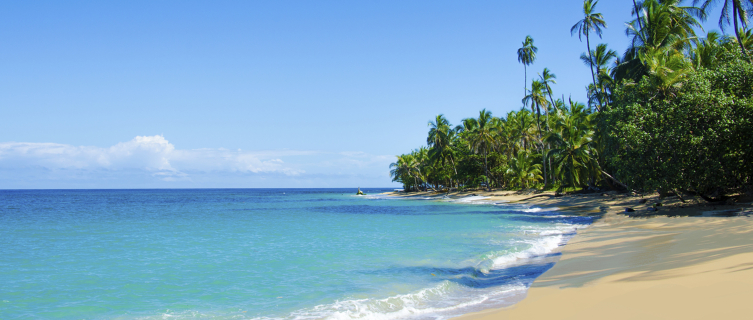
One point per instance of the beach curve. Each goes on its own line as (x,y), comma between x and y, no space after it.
(669,264)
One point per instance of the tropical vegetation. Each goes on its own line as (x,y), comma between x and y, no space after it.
(673,113)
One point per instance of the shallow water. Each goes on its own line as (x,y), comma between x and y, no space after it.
(266,253)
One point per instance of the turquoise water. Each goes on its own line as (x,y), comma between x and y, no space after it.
(265,254)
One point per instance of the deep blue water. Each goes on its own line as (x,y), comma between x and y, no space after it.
(265,253)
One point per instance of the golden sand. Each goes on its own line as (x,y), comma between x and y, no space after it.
(688,260)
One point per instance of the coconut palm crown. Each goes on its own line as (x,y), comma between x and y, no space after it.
(526,56)
(591,22)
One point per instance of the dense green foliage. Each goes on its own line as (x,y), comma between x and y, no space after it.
(674,113)
(696,138)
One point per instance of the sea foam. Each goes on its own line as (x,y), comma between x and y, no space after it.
(453,297)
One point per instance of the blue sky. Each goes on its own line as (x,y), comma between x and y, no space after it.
(192,94)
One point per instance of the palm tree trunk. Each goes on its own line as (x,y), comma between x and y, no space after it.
(547,111)
(456,171)
(637,15)
(591,63)
(486,171)
(541,139)
(551,170)
(525,78)
(737,31)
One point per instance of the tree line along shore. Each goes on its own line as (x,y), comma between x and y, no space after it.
(673,114)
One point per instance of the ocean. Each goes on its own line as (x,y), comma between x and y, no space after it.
(267,254)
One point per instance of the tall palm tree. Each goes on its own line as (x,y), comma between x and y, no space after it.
(739,10)
(637,13)
(591,22)
(547,78)
(537,97)
(526,56)
(664,25)
(600,58)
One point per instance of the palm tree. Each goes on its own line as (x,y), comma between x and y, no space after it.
(526,56)
(440,139)
(637,14)
(403,170)
(599,58)
(547,77)
(707,50)
(664,24)
(574,152)
(537,97)
(422,161)
(482,133)
(746,39)
(670,67)
(523,171)
(591,22)
(739,10)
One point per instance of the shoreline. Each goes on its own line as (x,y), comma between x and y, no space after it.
(605,202)
(675,262)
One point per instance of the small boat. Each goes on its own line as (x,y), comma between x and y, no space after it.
(360,193)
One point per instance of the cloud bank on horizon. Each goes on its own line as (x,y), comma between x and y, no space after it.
(153,162)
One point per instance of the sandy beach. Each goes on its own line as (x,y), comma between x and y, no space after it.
(687,260)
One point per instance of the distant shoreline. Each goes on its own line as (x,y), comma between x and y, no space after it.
(671,263)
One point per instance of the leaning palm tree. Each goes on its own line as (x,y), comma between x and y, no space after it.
(526,56)
(737,10)
(592,22)
(404,170)
(424,165)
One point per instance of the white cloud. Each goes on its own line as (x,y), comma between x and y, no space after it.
(154,158)
(150,153)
